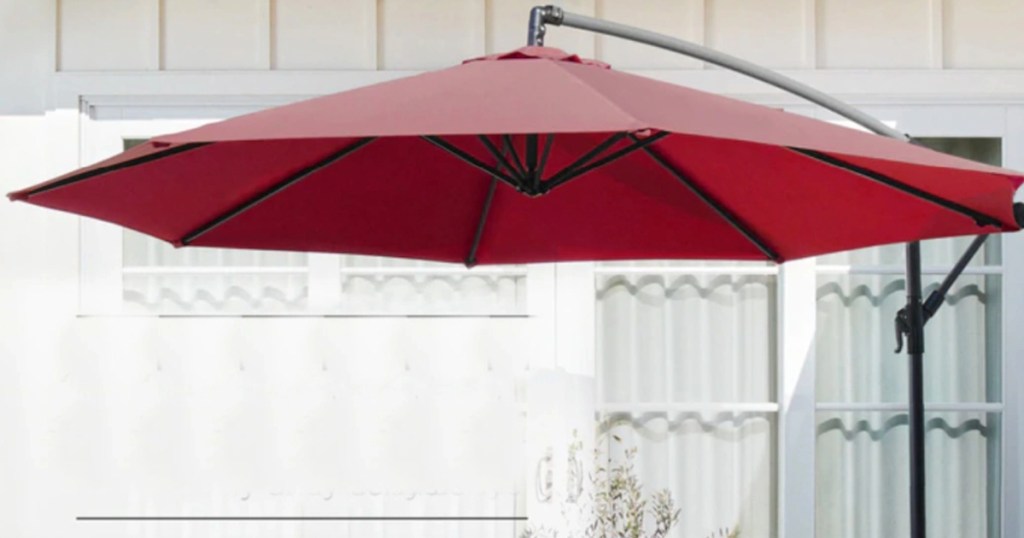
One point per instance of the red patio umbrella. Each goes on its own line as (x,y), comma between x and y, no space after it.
(537,155)
(531,156)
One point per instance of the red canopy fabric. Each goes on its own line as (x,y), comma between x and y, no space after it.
(682,174)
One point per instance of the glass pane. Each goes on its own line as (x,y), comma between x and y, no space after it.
(856,339)
(941,252)
(862,475)
(719,469)
(686,338)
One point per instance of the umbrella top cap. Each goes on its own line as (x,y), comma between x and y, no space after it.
(539,53)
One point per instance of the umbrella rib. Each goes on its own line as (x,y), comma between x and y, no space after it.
(587,157)
(637,144)
(471,160)
(499,156)
(274,190)
(980,218)
(531,156)
(112,168)
(471,257)
(506,140)
(548,141)
(715,205)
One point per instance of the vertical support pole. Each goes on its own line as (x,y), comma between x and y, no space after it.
(915,362)
(536,29)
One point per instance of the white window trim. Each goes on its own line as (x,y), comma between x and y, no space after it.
(977,103)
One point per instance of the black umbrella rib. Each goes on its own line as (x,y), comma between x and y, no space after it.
(717,206)
(471,160)
(506,140)
(585,158)
(499,157)
(579,171)
(471,257)
(980,218)
(175,150)
(275,189)
(531,154)
(548,141)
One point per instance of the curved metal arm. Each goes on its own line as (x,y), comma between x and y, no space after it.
(540,16)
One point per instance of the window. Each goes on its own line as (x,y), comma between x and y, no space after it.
(686,358)
(862,438)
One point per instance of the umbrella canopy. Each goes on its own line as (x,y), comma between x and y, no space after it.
(529,156)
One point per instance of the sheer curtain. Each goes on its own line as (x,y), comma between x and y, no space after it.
(862,468)
(686,365)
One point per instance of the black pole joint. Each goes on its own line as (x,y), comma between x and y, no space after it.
(902,328)
(938,295)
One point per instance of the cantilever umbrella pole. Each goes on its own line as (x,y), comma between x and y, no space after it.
(911,319)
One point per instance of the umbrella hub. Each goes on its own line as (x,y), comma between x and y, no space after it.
(520,161)
(539,53)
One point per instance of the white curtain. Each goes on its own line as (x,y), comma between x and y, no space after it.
(862,456)
(668,343)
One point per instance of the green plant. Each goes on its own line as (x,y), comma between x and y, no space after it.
(725,533)
(617,506)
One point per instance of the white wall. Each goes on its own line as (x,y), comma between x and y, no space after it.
(98,413)
(406,34)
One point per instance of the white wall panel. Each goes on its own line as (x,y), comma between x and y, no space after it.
(984,33)
(27,55)
(873,34)
(680,18)
(216,34)
(769,33)
(325,34)
(428,35)
(507,26)
(109,34)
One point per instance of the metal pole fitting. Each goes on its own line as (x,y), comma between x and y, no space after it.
(539,17)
